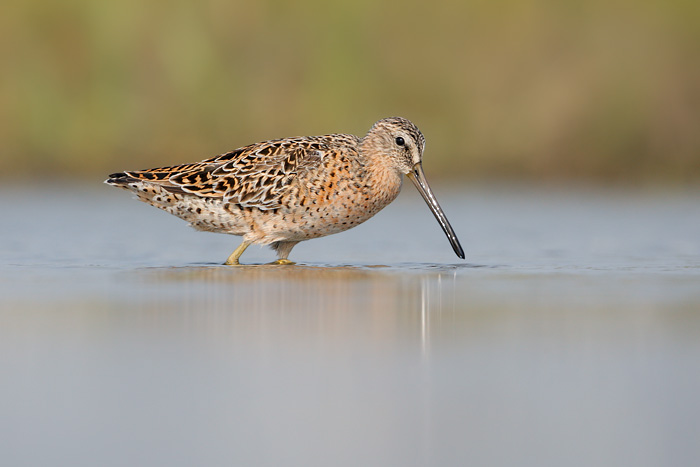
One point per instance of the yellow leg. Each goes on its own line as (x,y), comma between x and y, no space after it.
(233,258)
(283,249)
(283,261)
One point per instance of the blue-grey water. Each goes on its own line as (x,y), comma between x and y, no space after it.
(569,337)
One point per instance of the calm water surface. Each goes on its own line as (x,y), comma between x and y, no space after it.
(570,336)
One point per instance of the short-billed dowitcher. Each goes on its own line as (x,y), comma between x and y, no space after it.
(284,191)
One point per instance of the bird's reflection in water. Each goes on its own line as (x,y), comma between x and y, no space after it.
(303,306)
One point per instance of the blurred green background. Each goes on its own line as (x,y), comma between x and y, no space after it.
(539,90)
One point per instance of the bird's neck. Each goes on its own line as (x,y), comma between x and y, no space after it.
(382,176)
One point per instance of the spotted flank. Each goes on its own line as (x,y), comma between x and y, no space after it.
(284,191)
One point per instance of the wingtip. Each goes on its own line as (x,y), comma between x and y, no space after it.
(116,178)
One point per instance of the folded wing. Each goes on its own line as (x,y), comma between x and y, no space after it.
(257,176)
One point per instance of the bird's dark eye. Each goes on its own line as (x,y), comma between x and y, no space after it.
(400,141)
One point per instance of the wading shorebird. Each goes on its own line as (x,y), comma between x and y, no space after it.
(285,191)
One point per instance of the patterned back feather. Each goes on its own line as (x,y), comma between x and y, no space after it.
(257,176)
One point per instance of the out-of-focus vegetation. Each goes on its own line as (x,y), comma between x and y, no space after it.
(505,88)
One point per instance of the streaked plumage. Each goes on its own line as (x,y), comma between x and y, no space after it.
(284,191)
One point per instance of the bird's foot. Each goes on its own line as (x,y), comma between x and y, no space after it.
(283,262)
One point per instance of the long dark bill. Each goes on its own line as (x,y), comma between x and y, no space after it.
(418,178)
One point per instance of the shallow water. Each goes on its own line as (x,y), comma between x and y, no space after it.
(570,336)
